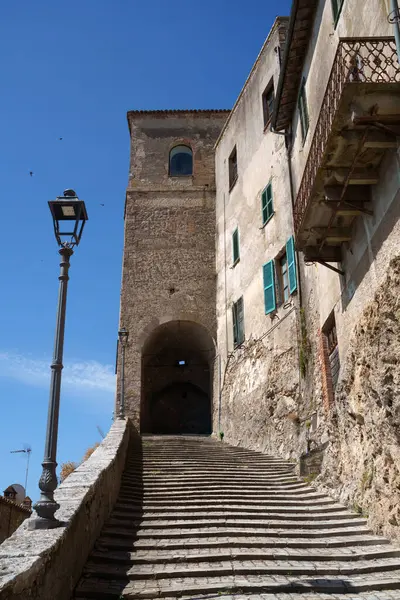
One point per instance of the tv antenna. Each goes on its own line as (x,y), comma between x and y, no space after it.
(101,432)
(26,451)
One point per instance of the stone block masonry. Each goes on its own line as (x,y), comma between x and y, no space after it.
(45,565)
(11,517)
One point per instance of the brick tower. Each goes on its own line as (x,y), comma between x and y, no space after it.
(168,280)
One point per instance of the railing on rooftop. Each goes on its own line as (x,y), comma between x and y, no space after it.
(357,60)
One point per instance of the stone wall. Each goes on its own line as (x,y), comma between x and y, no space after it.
(44,565)
(11,517)
(362,461)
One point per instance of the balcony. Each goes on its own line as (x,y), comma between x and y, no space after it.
(358,123)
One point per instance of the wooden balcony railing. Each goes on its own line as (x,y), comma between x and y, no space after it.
(357,60)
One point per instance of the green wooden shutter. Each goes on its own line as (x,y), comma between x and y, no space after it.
(240,320)
(234,319)
(291,261)
(269,287)
(235,245)
(267,203)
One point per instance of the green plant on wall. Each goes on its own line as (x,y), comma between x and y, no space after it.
(305,346)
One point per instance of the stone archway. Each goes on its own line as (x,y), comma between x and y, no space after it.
(177,374)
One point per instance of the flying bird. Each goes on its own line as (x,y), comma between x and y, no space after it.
(60,139)
(31,173)
(101,204)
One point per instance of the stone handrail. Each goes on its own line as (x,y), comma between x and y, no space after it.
(46,565)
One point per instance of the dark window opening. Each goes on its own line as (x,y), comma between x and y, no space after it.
(329,330)
(283,277)
(268,99)
(303,111)
(238,322)
(233,169)
(235,246)
(180,161)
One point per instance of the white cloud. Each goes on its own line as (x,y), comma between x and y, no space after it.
(79,375)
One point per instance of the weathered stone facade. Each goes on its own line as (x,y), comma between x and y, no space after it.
(168,280)
(11,517)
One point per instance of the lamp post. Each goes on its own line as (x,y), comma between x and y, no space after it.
(68,213)
(123,335)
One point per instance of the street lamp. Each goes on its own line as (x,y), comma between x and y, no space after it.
(123,335)
(69,217)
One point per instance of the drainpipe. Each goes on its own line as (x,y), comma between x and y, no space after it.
(394,18)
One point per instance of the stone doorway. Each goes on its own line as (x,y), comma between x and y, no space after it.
(177,376)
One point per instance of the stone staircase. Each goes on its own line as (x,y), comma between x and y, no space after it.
(197,518)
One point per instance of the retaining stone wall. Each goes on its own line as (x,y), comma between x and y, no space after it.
(44,565)
(11,517)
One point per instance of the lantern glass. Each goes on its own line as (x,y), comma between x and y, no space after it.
(123,335)
(69,217)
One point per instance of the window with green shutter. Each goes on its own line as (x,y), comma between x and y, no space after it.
(303,110)
(238,322)
(291,262)
(336,9)
(269,287)
(267,204)
(235,246)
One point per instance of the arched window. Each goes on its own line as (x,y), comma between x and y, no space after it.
(180,161)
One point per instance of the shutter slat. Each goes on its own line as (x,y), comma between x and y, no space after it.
(291,262)
(269,287)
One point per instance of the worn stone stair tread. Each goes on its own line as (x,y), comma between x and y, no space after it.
(121,507)
(99,588)
(232,514)
(305,494)
(114,541)
(210,531)
(265,553)
(226,520)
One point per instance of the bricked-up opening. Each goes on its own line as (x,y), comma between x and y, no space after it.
(177,375)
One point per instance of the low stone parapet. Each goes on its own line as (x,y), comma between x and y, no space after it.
(44,565)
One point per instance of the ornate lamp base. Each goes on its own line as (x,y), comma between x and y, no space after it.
(45,518)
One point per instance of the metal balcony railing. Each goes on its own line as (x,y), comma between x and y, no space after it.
(357,60)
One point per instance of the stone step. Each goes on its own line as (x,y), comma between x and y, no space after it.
(275,495)
(270,507)
(211,477)
(226,521)
(207,466)
(166,557)
(232,530)
(248,541)
(103,589)
(213,486)
(238,567)
(221,516)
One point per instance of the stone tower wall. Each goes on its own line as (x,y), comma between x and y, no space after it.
(169,249)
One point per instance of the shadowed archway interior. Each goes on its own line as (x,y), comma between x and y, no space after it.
(177,374)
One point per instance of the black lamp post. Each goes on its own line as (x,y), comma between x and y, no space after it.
(69,217)
(123,336)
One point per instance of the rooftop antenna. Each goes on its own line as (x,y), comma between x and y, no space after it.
(101,432)
(27,451)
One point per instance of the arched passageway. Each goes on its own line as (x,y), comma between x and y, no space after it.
(177,375)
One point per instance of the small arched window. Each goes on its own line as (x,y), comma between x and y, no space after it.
(180,161)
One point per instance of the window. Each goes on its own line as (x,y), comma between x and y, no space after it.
(284,280)
(336,9)
(233,170)
(268,99)
(180,161)
(267,204)
(235,246)
(332,361)
(280,278)
(303,110)
(238,322)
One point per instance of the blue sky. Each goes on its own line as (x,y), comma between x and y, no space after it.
(72,70)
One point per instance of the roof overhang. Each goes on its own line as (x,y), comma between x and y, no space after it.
(299,34)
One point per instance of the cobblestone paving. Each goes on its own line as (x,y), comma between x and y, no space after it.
(197,519)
